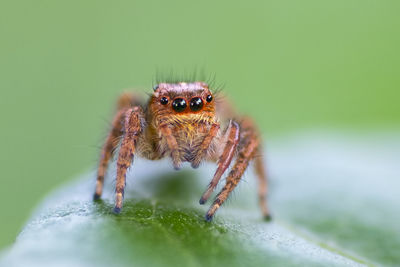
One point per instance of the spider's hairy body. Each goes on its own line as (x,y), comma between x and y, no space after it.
(182,121)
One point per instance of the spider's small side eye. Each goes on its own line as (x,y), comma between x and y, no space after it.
(209,98)
(164,101)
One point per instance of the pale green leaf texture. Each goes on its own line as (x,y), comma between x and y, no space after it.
(335,201)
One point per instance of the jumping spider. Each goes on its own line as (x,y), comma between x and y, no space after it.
(184,121)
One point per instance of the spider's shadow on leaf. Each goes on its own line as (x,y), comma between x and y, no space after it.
(179,186)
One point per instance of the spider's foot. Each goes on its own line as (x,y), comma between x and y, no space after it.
(205,196)
(177,166)
(96,196)
(268,218)
(209,217)
(195,165)
(117,210)
(202,200)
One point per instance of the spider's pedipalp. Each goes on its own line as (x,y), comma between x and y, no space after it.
(204,146)
(173,146)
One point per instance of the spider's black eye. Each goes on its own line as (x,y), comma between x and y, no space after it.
(179,104)
(196,103)
(164,100)
(209,98)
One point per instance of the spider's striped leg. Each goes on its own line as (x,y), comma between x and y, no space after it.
(259,167)
(106,153)
(132,129)
(172,145)
(225,160)
(247,148)
(262,185)
(125,101)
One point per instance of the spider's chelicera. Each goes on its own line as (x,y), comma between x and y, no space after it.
(184,122)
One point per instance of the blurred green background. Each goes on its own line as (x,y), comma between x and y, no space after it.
(293,65)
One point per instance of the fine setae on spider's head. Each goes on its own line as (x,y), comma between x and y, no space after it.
(183,98)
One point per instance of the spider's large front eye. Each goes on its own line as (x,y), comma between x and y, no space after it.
(196,103)
(179,104)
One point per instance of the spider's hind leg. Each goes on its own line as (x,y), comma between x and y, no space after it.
(262,184)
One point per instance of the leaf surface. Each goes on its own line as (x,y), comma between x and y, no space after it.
(334,200)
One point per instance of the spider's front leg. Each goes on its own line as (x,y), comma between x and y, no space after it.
(125,101)
(232,133)
(249,144)
(107,151)
(133,127)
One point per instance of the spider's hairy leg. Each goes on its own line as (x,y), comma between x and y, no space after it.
(262,185)
(247,148)
(132,129)
(107,151)
(205,145)
(172,145)
(259,167)
(232,133)
(125,101)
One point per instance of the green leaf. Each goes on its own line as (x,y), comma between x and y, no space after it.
(334,202)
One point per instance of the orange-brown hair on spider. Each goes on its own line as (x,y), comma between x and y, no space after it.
(184,121)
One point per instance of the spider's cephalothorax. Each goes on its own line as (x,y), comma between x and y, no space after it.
(183,121)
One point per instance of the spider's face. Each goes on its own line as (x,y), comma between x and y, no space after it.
(183,98)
